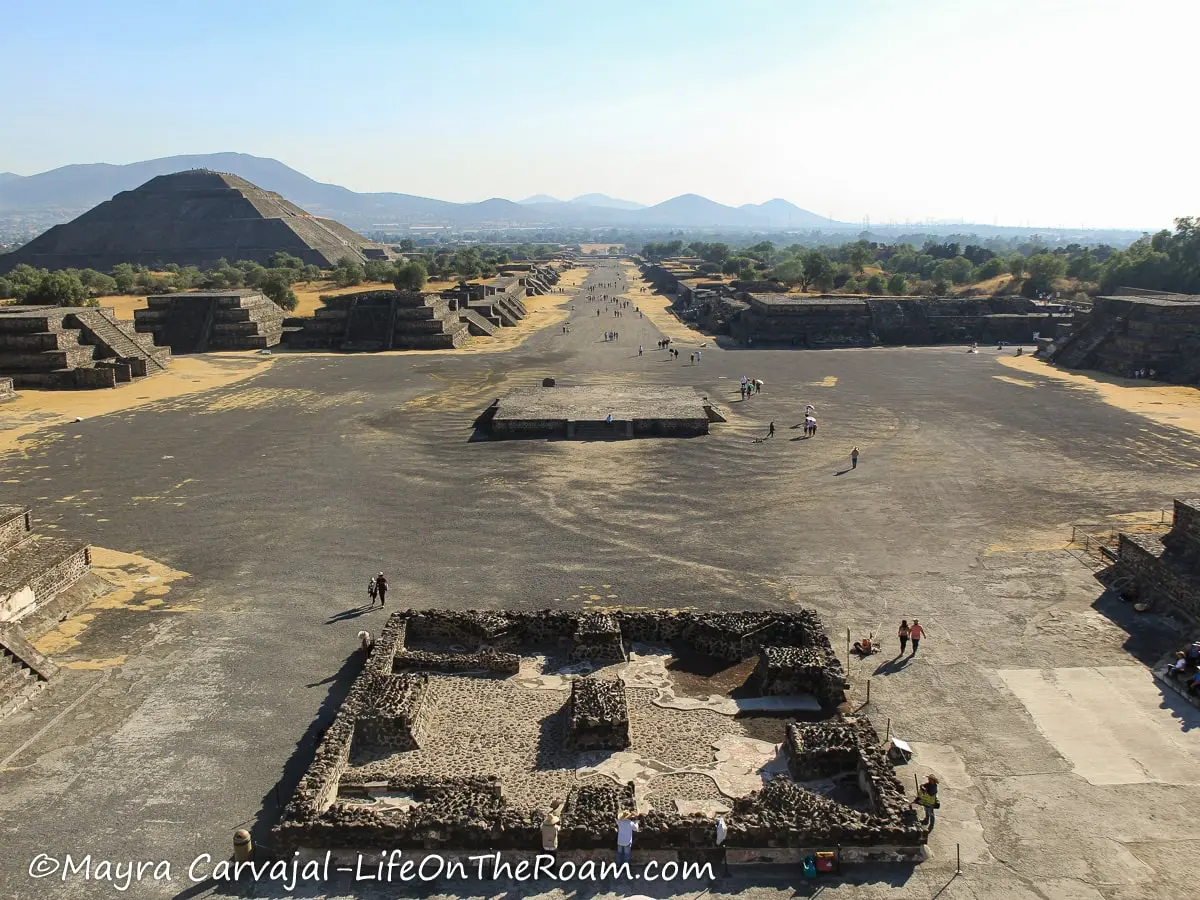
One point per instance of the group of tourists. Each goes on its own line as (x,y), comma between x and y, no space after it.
(612,335)
(1145,373)
(750,386)
(810,421)
(1185,669)
(377,587)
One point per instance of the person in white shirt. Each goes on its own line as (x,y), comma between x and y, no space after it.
(626,825)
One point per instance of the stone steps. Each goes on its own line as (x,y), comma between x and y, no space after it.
(103,328)
(476,323)
(23,671)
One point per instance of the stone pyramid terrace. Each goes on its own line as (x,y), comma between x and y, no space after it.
(74,347)
(199,321)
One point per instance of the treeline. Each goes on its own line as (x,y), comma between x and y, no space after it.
(934,268)
(81,287)
(1166,261)
(479,261)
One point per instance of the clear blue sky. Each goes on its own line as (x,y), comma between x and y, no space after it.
(1073,112)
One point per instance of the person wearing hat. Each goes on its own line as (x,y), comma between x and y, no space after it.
(381,587)
(626,825)
(927,799)
(550,831)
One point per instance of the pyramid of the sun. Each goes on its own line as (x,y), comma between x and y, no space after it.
(193,219)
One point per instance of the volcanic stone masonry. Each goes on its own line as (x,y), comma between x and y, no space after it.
(74,347)
(1166,567)
(379,320)
(350,799)
(1122,334)
(197,321)
(597,715)
(37,574)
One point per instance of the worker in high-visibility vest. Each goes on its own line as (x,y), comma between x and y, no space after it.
(927,799)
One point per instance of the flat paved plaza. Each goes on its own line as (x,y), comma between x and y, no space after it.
(1066,774)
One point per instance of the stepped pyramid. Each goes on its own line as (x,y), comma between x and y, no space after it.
(73,347)
(194,322)
(384,320)
(37,574)
(194,219)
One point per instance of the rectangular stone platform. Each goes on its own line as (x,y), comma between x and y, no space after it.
(598,412)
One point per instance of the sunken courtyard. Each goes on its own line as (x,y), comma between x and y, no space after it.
(602,625)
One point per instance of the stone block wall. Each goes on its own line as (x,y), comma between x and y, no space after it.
(15,525)
(1123,334)
(597,715)
(392,718)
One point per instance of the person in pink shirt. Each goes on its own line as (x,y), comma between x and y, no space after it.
(915,633)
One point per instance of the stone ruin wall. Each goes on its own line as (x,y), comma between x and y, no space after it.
(597,715)
(470,813)
(1167,568)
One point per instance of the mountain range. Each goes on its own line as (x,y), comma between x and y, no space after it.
(61,194)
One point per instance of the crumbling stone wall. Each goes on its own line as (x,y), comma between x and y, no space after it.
(333,809)
(391,717)
(597,715)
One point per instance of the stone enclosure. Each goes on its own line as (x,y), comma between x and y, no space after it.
(465,727)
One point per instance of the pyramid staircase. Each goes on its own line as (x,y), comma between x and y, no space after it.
(476,323)
(74,347)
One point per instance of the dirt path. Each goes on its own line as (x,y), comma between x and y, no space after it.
(656,308)
(36,410)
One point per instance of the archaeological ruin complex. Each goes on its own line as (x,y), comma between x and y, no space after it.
(464,728)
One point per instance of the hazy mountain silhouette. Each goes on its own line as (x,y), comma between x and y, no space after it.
(61,194)
(606,202)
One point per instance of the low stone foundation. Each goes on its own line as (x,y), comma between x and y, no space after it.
(597,717)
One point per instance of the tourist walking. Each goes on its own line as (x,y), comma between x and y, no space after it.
(381,587)
(903,635)
(627,824)
(372,591)
(771,430)
(639,349)
(927,798)
(854,458)
(916,633)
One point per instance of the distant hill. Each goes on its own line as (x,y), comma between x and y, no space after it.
(604,201)
(64,193)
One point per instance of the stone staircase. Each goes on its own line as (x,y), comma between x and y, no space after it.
(23,671)
(119,341)
(7,392)
(73,347)
(476,323)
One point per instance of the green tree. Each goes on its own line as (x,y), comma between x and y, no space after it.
(60,289)
(876,284)
(860,255)
(410,277)
(277,286)
(818,271)
(281,259)
(407,245)
(897,285)
(101,285)
(125,277)
(1084,266)
(378,270)
(1041,270)
(990,268)
(1016,265)
(7,289)
(348,272)
(940,287)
